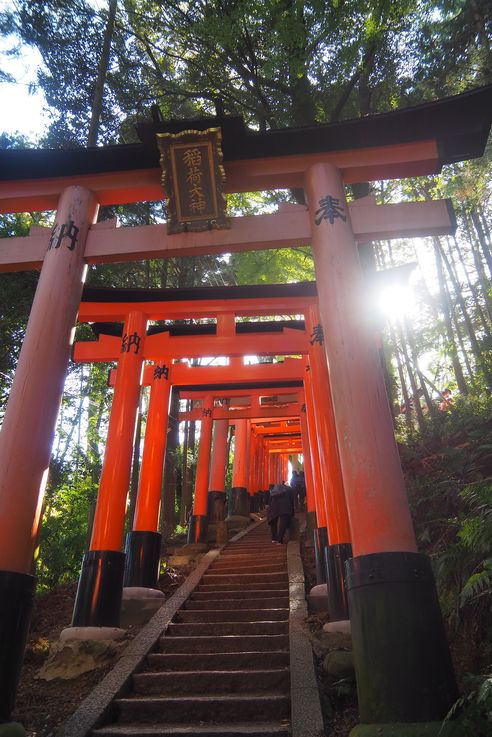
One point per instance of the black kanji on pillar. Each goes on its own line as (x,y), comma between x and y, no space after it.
(317,335)
(329,209)
(130,340)
(161,371)
(66,230)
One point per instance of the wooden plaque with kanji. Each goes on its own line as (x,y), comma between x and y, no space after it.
(192,177)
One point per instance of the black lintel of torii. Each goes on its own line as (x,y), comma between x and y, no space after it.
(460,125)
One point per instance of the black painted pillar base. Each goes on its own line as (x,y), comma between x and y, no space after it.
(100,589)
(310,527)
(197,529)
(143,557)
(255,502)
(238,502)
(320,539)
(16,600)
(402,662)
(335,558)
(216,506)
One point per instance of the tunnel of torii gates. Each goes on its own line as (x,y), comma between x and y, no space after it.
(354,479)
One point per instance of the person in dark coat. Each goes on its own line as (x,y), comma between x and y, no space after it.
(298,486)
(280,511)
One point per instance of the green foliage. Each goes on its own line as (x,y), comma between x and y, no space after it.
(472,713)
(63,537)
(449,478)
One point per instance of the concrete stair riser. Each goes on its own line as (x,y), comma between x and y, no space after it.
(257,550)
(271,553)
(254,586)
(238,707)
(227,628)
(274,556)
(211,682)
(247,643)
(250,569)
(237,729)
(229,595)
(216,661)
(244,578)
(223,665)
(231,615)
(279,602)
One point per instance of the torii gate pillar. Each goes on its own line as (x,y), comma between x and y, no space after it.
(143,543)
(197,530)
(239,499)
(100,588)
(400,677)
(218,465)
(29,424)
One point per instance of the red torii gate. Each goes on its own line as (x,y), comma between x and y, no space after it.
(333,546)
(390,584)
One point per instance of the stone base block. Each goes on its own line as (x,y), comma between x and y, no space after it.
(339,664)
(139,605)
(318,598)
(236,523)
(342,627)
(177,561)
(12,729)
(141,592)
(192,549)
(414,729)
(92,633)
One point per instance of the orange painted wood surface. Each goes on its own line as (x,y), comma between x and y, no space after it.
(203,462)
(288,342)
(307,463)
(147,506)
(331,471)
(30,417)
(319,491)
(109,519)
(182,374)
(373,480)
(218,464)
(249,175)
(240,469)
(287,228)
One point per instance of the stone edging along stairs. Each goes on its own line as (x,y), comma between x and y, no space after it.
(224,661)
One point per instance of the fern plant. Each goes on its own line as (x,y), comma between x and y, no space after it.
(471,714)
(475,535)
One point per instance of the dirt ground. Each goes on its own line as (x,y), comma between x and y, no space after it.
(43,705)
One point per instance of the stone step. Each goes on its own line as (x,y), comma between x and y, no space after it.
(239,594)
(255,707)
(244,578)
(249,569)
(267,548)
(216,661)
(211,682)
(254,586)
(259,549)
(221,616)
(275,552)
(241,729)
(218,644)
(231,615)
(277,602)
(218,629)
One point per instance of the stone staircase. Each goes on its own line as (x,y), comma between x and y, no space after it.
(223,664)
